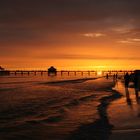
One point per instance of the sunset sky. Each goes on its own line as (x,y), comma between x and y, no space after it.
(70,34)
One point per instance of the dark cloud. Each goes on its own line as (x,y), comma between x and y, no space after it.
(87,57)
(65,10)
(55,23)
(16,10)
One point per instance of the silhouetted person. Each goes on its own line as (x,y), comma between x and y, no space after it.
(116,76)
(126,80)
(136,85)
(136,81)
(107,76)
(114,79)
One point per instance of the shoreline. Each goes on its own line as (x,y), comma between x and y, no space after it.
(125,118)
(81,80)
(101,129)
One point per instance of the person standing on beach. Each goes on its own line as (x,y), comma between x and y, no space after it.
(136,85)
(126,80)
(136,81)
(107,76)
(116,76)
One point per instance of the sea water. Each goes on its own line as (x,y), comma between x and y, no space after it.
(47,107)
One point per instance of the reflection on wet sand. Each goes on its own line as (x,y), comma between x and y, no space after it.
(128,98)
(100,129)
(124,114)
(137,95)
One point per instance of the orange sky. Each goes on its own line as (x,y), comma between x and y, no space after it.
(70,34)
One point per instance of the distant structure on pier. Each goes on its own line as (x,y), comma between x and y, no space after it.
(4,72)
(1,68)
(52,71)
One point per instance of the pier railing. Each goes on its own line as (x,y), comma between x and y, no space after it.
(89,72)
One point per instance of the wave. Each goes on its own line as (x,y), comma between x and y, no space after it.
(26,82)
(68,81)
(51,119)
(50,82)
(60,117)
(76,102)
(85,98)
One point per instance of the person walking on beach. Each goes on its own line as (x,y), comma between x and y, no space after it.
(136,86)
(126,80)
(136,80)
(116,76)
(107,76)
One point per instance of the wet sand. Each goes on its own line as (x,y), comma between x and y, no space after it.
(119,117)
(101,129)
(124,114)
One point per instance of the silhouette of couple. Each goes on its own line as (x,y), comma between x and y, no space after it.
(127,79)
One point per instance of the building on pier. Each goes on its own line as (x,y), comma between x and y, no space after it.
(1,68)
(52,71)
(4,72)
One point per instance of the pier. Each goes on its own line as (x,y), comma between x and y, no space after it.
(68,72)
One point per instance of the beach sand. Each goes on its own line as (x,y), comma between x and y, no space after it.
(87,109)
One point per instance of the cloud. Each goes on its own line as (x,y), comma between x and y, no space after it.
(86,57)
(130,40)
(123,29)
(94,35)
(56,14)
(125,42)
(99,35)
(135,39)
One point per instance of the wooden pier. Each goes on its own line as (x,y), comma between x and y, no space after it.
(62,72)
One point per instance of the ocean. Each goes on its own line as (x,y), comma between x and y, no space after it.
(48,107)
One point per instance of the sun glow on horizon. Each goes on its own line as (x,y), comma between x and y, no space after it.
(98,68)
(99,73)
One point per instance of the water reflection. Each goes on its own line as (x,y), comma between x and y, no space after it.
(128,98)
(137,96)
